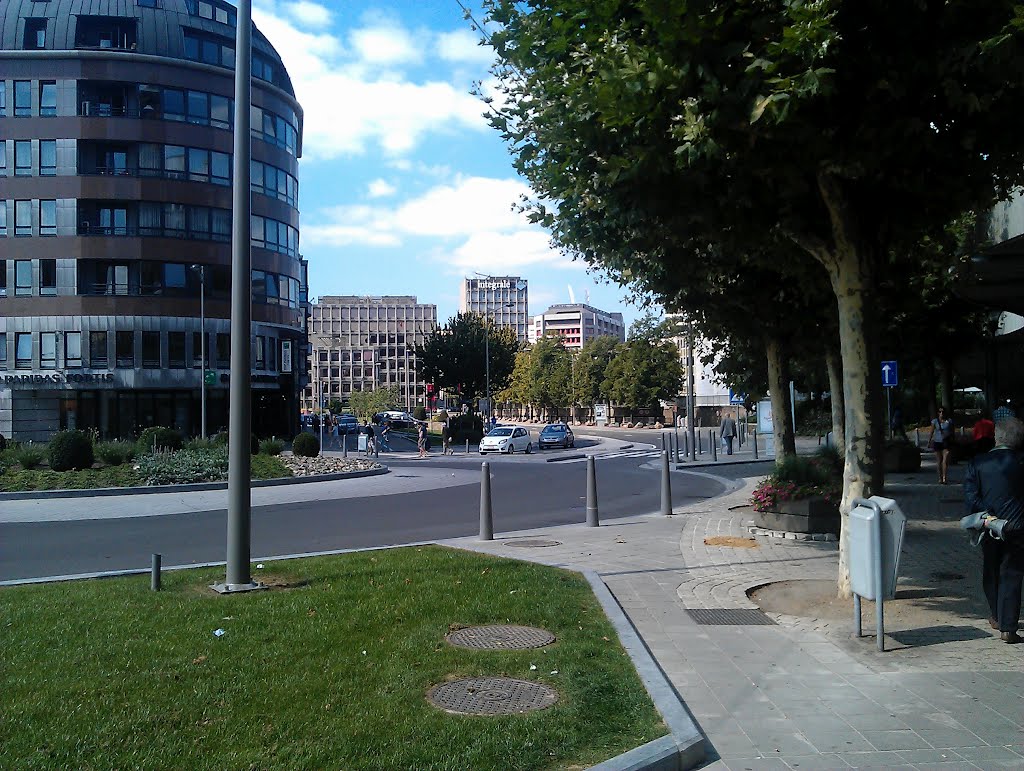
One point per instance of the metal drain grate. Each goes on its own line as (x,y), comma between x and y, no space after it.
(491,696)
(534,542)
(503,637)
(729,616)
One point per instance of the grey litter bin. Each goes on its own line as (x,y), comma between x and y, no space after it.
(876,537)
(361,443)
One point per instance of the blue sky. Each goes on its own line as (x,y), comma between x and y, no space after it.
(404,188)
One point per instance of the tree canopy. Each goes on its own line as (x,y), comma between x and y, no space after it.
(847,129)
(453,357)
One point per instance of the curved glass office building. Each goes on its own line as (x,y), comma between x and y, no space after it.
(115,219)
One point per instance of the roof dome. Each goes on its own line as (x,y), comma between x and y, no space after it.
(177,29)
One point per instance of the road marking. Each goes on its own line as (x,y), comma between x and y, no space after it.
(609,456)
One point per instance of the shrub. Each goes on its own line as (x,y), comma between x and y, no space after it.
(3,442)
(306,445)
(221,439)
(69,450)
(198,443)
(183,467)
(420,413)
(160,437)
(29,456)
(271,447)
(830,456)
(116,453)
(799,477)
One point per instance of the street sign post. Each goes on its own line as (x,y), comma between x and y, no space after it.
(210,377)
(890,374)
(890,379)
(735,398)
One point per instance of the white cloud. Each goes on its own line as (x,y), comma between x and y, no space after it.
(463,47)
(308,13)
(380,188)
(474,223)
(351,101)
(384,44)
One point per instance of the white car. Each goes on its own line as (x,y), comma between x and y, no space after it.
(507,439)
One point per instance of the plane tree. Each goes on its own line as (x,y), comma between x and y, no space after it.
(846,128)
(455,356)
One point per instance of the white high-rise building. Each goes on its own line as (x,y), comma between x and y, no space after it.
(576,324)
(503,299)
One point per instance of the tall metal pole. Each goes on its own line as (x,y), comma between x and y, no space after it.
(691,399)
(202,345)
(487,364)
(239,418)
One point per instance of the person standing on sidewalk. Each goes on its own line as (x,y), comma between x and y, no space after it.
(941,440)
(995,484)
(370,438)
(446,440)
(727,431)
(421,439)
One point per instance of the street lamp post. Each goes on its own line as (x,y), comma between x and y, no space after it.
(202,346)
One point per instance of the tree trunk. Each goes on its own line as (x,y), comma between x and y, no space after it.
(778,389)
(946,383)
(834,364)
(850,263)
(853,282)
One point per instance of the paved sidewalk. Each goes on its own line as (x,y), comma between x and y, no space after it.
(802,693)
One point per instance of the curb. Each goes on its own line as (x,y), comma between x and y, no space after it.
(575,456)
(684,747)
(191,488)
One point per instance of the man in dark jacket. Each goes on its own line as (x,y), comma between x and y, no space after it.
(995,483)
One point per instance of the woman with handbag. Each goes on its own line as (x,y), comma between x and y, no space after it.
(941,440)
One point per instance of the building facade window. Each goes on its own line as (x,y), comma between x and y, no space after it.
(48,350)
(22,98)
(98,349)
(23,350)
(47,97)
(72,349)
(176,350)
(3,278)
(23,158)
(22,278)
(3,350)
(3,97)
(48,217)
(47,277)
(151,350)
(223,351)
(3,155)
(22,218)
(47,157)
(261,359)
(124,350)
(3,217)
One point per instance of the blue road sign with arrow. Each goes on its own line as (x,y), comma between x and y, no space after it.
(890,374)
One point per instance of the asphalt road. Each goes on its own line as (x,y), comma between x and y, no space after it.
(525,494)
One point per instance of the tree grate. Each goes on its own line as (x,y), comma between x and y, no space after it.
(503,637)
(729,616)
(536,543)
(491,696)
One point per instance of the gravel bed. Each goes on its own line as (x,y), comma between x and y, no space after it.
(304,467)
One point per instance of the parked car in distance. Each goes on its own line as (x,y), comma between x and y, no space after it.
(506,439)
(556,435)
(347,424)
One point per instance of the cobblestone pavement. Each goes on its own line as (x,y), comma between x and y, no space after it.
(803,693)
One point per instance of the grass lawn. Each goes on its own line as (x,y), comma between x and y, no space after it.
(329,674)
(19,479)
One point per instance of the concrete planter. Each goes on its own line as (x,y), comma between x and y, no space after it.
(806,515)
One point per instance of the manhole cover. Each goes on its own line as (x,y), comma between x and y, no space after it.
(491,696)
(941,576)
(728,616)
(503,637)
(534,542)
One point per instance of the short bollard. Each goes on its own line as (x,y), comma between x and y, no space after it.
(486,521)
(675,432)
(755,444)
(714,445)
(467,447)
(344,447)
(664,442)
(917,437)
(592,517)
(666,487)
(700,443)
(154,573)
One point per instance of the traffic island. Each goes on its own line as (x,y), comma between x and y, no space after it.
(332,672)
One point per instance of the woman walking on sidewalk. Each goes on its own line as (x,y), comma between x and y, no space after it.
(421,439)
(940,441)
